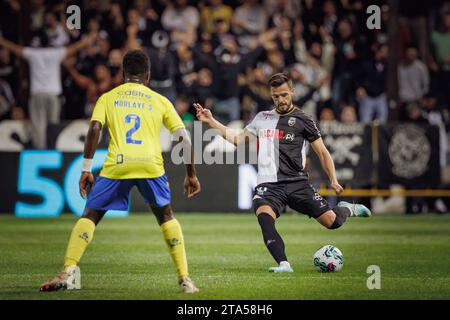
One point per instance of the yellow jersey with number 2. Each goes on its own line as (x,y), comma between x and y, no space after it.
(134,115)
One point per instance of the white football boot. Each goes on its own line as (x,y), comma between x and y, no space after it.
(187,285)
(69,279)
(283,267)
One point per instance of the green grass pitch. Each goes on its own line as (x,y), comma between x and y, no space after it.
(227,258)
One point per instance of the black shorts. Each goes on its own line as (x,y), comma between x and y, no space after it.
(298,195)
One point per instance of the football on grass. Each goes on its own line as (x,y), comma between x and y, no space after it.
(328,259)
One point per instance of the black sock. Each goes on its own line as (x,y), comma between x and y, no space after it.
(272,239)
(341,215)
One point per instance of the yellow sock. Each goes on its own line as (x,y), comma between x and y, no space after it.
(175,242)
(81,236)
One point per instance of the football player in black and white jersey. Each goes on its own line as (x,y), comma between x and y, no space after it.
(283,134)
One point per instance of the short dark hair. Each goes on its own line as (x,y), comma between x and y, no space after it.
(278,79)
(136,63)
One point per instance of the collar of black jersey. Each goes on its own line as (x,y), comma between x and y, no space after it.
(287,112)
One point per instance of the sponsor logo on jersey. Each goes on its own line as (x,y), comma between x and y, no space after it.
(272,133)
(290,136)
(134,93)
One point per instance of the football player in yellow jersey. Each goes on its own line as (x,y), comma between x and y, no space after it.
(134,115)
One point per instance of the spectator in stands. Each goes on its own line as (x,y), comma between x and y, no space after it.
(285,40)
(7,100)
(372,84)
(257,92)
(92,9)
(74,97)
(276,9)
(327,49)
(440,45)
(300,45)
(9,16)
(249,20)
(163,62)
(181,21)
(415,113)
(115,64)
(96,86)
(327,114)
(205,45)
(312,80)
(182,105)
(189,62)
(274,62)
(8,70)
(346,63)
(348,114)
(310,18)
(97,53)
(143,24)
(215,12)
(329,18)
(186,70)
(436,117)
(413,78)
(228,65)
(163,67)
(202,90)
(303,93)
(115,26)
(55,30)
(148,19)
(308,38)
(45,80)
(37,15)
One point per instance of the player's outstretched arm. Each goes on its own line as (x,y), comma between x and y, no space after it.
(232,135)
(90,146)
(327,164)
(191,184)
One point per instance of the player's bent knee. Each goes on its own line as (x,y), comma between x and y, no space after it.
(338,222)
(163,214)
(265,209)
(327,219)
(93,215)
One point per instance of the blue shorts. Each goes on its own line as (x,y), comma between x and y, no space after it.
(113,194)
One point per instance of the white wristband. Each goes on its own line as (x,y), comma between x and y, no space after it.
(86,165)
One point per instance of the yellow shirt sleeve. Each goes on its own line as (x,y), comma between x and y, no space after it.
(171,119)
(99,113)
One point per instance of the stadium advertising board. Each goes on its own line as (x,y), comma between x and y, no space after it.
(409,155)
(44,183)
(350,145)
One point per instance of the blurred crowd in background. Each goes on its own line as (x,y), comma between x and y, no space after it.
(221,54)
